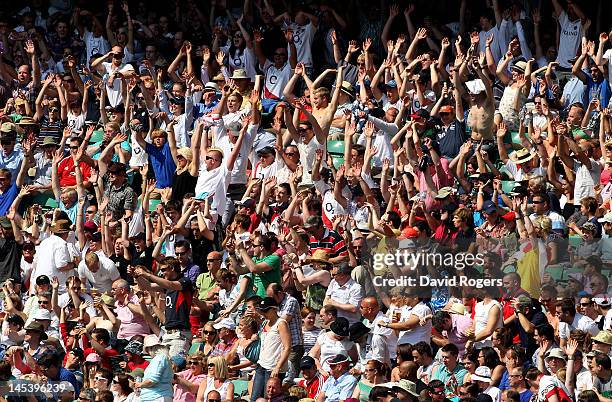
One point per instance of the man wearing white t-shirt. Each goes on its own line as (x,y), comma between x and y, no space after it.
(214,173)
(99,270)
(53,257)
(278,72)
(570,320)
(411,330)
(571,32)
(304,29)
(114,72)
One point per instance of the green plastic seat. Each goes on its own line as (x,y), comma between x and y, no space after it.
(338,161)
(556,273)
(507,186)
(241,388)
(335,147)
(195,347)
(575,240)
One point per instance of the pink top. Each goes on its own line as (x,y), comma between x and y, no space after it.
(445,180)
(131,324)
(183,395)
(456,335)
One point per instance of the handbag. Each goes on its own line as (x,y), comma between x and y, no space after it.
(251,352)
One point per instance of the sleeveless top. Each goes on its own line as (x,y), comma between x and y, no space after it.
(364,391)
(271,348)
(210,386)
(481,317)
(509,107)
(243,359)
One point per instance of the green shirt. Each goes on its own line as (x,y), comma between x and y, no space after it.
(205,283)
(262,280)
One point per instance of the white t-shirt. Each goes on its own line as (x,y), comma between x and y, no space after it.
(244,59)
(418,333)
(113,92)
(331,347)
(64,299)
(215,183)
(308,153)
(547,385)
(276,79)
(387,103)
(105,276)
(52,254)
(581,322)
(349,293)
(494,393)
(569,39)
(76,122)
(416,104)
(238,174)
(330,206)
(585,180)
(303,37)
(95,45)
(608,56)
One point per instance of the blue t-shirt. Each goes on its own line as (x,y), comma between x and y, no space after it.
(7,198)
(67,375)
(163,164)
(160,372)
(599,90)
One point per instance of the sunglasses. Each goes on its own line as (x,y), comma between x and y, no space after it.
(98,378)
(193,362)
(444,114)
(290,153)
(585,304)
(210,332)
(210,158)
(213,259)
(211,365)
(43,302)
(179,254)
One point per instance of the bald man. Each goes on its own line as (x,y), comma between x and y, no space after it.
(382,340)
(213,396)
(127,308)
(274,390)
(206,280)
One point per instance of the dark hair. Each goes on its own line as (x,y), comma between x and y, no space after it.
(588,396)
(423,348)
(254,299)
(183,243)
(567,306)
(603,361)
(472,389)
(106,373)
(546,331)
(103,335)
(550,289)
(170,262)
(174,204)
(435,384)
(438,319)
(395,219)
(491,358)
(329,309)
(451,348)
(513,395)
(505,336)
(405,352)
(124,382)
(532,374)
(379,392)
(105,396)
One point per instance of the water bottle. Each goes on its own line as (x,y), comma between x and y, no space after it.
(137,391)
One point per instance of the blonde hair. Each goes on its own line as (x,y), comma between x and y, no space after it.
(91,258)
(221,370)
(158,132)
(544,223)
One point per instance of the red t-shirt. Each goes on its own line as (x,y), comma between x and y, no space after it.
(108,353)
(65,171)
(133,366)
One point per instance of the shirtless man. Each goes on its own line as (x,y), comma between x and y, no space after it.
(482,103)
(323,108)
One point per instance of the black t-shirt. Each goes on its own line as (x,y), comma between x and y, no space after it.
(10,260)
(182,184)
(536,318)
(122,264)
(451,138)
(178,305)
(145,258)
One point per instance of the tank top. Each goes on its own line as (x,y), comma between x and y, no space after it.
(481,318)
(210,386)
(271,348)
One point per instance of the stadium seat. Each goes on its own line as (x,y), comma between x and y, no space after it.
(335,147)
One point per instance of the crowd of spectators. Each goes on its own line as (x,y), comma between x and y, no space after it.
(270,200)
